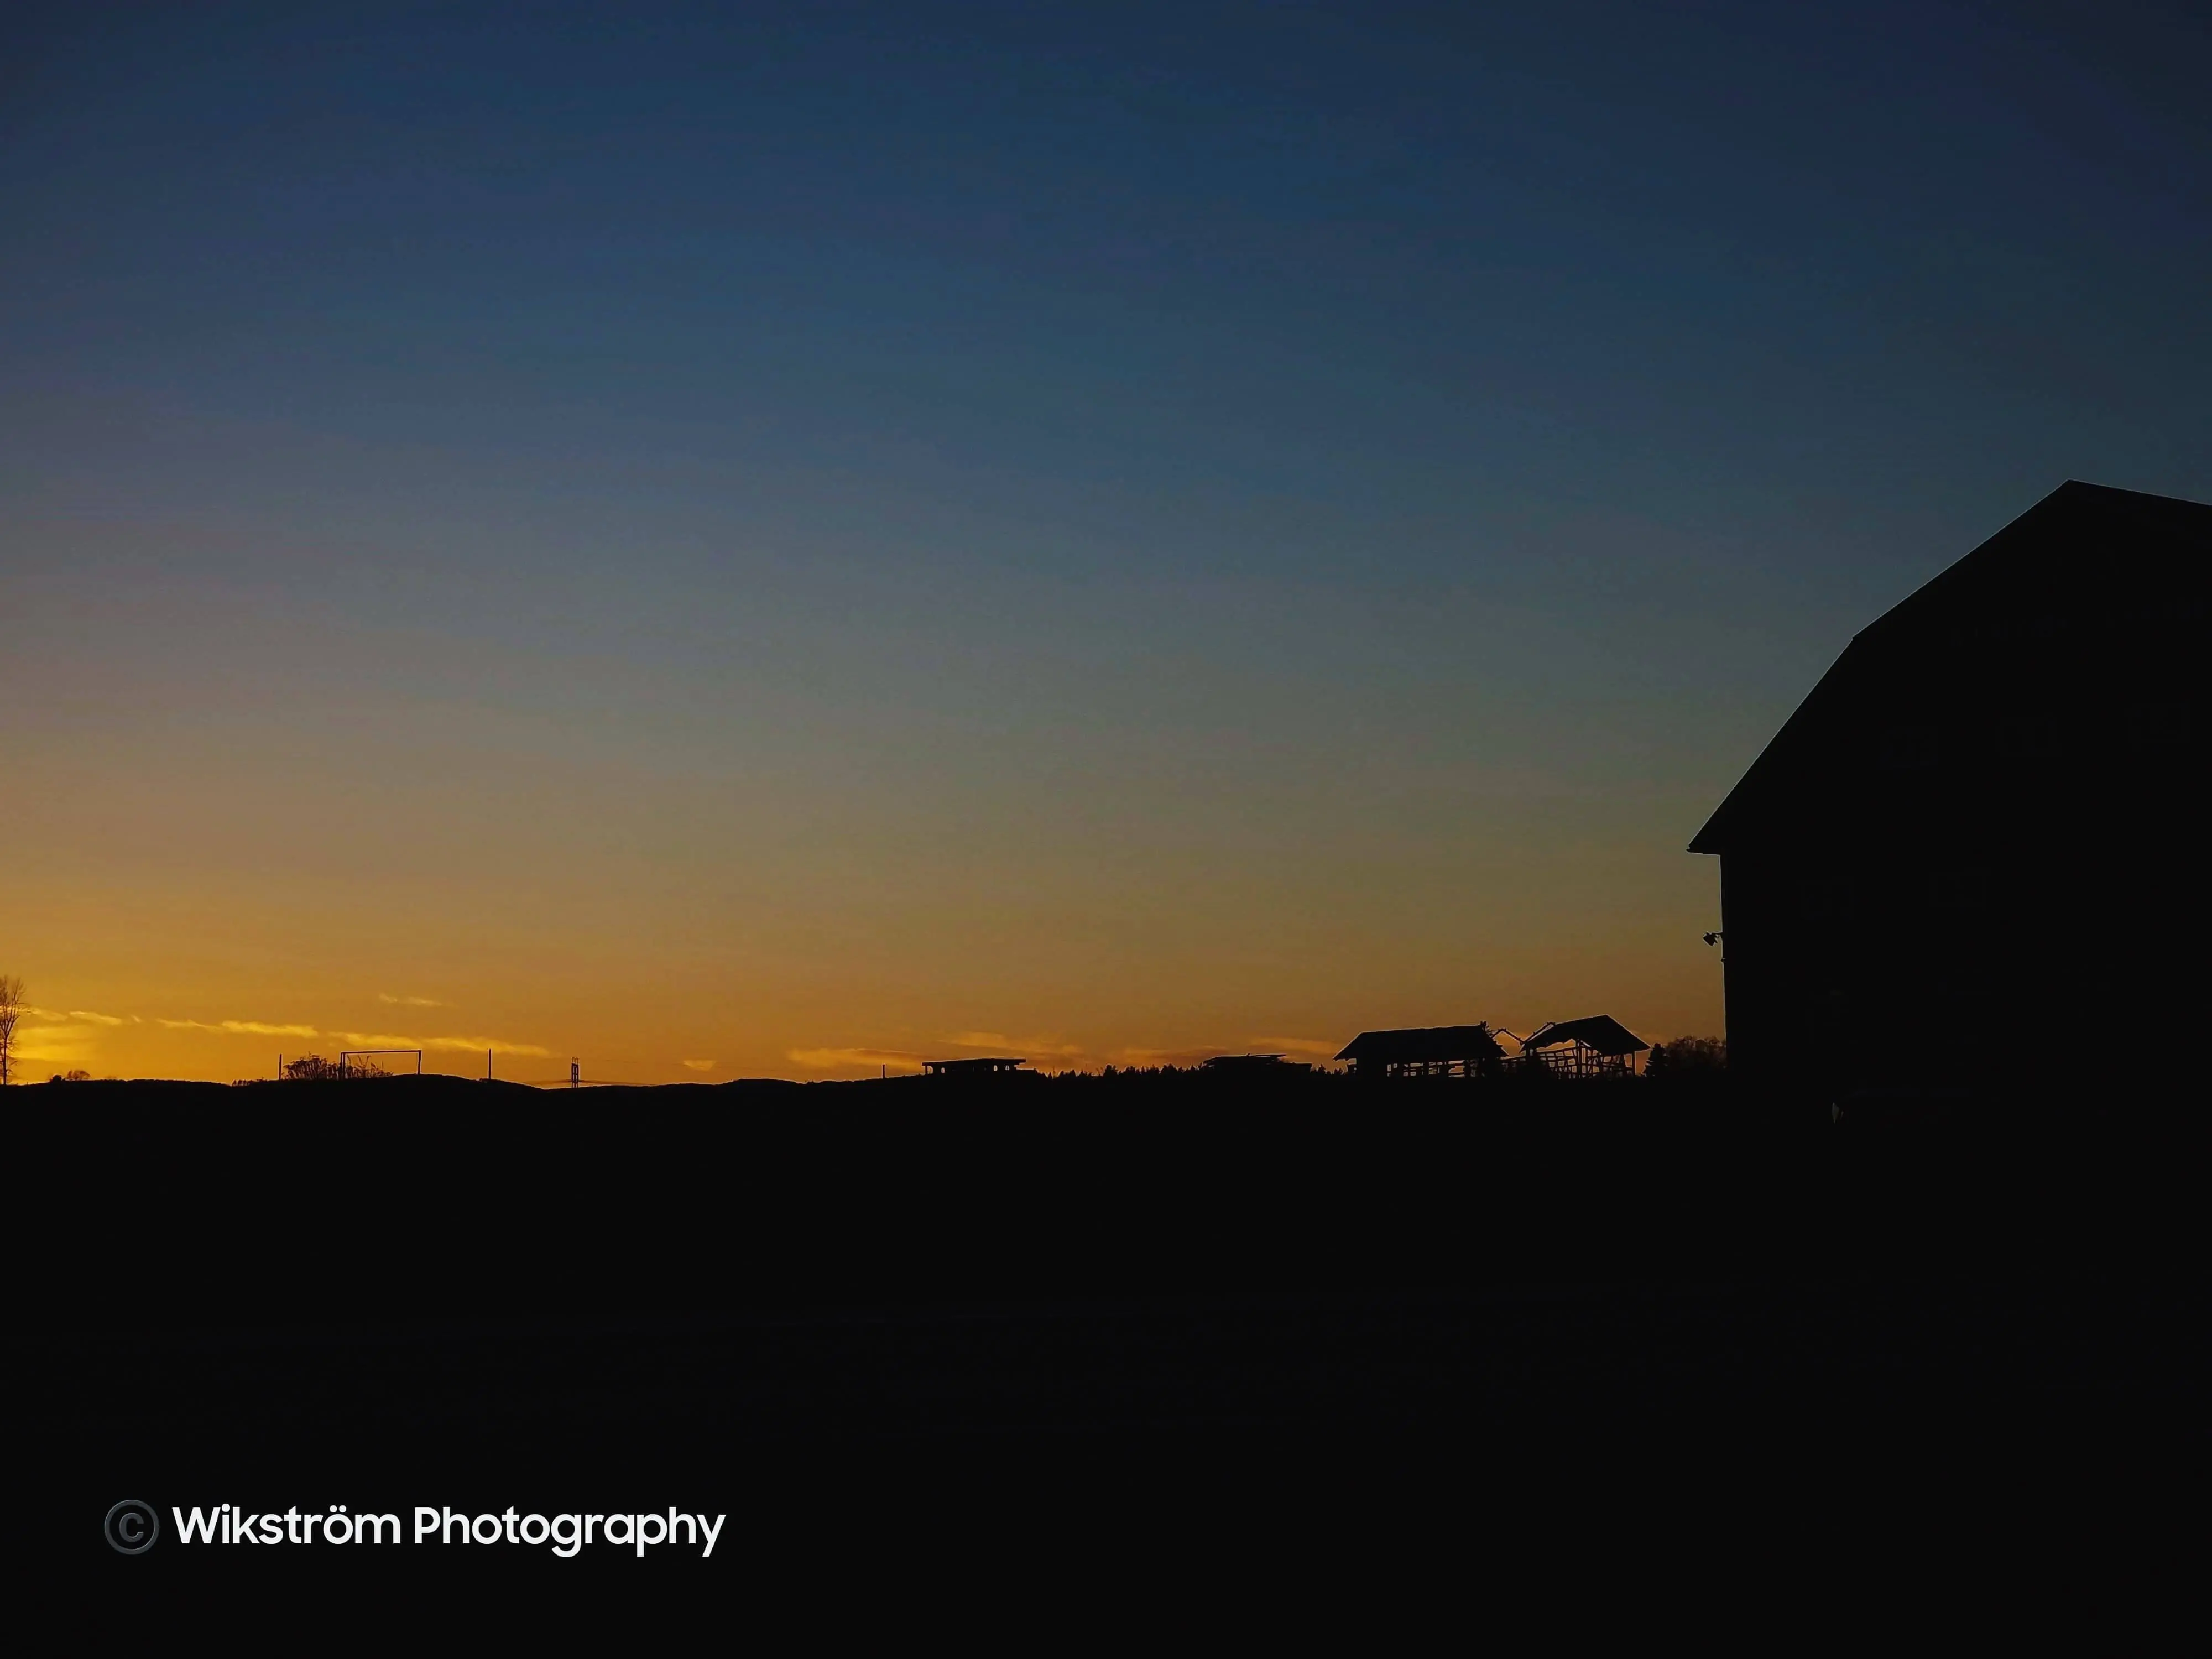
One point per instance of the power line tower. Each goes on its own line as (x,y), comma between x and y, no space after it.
(576,1074)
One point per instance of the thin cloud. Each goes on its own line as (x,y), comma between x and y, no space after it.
(410,1002)
(999,1041)
(70,1016)
(66,1043)
(497,1045)
(447,1044)
(242,1028)
(701,1065)
(841,1060)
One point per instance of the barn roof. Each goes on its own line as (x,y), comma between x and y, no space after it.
(1422,1044)
(1600,1031)
(2088,574)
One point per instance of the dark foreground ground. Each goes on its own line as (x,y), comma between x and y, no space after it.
(929,1341)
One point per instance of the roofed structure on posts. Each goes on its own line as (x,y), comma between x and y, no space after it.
(1600,1032)
(1423,1044)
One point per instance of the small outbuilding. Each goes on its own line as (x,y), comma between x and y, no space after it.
(1251,1065)
(1599,1046)
(1467,1051)
(987,1066)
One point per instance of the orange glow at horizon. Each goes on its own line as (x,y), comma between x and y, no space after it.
(190,993)
(1173,822)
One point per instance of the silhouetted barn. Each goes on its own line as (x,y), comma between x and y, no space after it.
(1424,1051)
(1973,855)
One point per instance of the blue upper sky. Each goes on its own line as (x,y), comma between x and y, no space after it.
(1231,287)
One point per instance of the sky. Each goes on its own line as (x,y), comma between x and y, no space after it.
(732,541)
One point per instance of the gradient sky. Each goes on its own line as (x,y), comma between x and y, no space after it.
(739,540)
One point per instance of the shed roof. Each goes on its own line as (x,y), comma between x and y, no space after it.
(1600,1031)
(1424,1044)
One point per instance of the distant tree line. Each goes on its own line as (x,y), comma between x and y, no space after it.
(1687,1057)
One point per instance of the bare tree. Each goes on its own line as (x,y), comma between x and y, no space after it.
(11,1010)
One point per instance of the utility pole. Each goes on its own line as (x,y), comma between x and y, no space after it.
(576,1074)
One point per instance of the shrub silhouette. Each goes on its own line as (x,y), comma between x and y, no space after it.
(313,1068)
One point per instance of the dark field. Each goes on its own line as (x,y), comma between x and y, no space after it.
(1142,1322)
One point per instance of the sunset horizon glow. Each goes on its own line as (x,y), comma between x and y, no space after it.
(748,543)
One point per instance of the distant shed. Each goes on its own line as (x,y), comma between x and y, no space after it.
(1251,1065)
(1425,1051)
(1598,1046)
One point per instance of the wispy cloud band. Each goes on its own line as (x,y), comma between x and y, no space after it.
(446,1044)
(841,1060)
(242,1027)
(457,1044)
(1000,1042)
